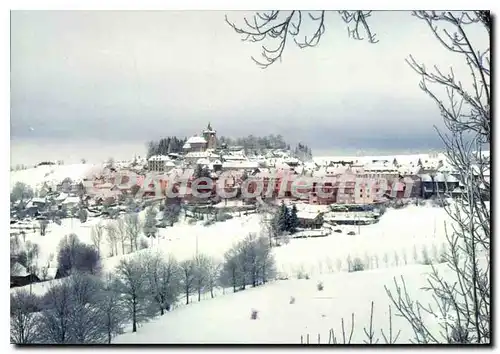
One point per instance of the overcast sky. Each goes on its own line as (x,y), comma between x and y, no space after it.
(137,76)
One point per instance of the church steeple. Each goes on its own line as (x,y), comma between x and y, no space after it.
(209,127)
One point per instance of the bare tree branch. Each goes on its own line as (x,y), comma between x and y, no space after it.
(276,27)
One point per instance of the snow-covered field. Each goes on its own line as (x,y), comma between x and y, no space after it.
(399,238)
(35,177)
(313,312)
(392,247)
(402,159)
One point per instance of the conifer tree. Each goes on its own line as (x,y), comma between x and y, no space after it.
(293,219)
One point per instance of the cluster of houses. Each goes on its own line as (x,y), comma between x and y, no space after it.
(276,174)
(63,197)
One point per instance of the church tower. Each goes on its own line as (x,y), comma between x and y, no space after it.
(210,136)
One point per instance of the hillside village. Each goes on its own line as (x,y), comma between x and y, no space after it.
(101,192)
(110,185)
(200,237)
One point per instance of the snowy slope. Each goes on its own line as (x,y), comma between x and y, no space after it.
(404,233)
(35,177)
(226,319)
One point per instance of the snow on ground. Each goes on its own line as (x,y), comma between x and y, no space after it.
(402,159)
(39,289)
(409,231)
(182,239)
(280,322)
(35,177)
(48,244)
(403,233)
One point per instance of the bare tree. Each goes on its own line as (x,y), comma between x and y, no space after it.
(75,255)
(248,251)
(44,273)
(276,28)
(97,234)
(112,312)
(150,222)
(163,278)
(15,248)
(112,238)
(213,274)
(188,270)
(24,326)
(464,305)
(250,261)
(43,227)
(86,326)
(32,251)
(121,229)
(231,271)
(133,230)
(131,284)
(201,275)
(21,192)
(266,264)
(269,223)
(56,315)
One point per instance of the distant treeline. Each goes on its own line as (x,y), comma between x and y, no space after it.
(164,146)
(256,143)
(303,152)
(252,145)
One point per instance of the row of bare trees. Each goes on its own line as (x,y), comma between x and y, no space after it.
(88,308)
(122,235)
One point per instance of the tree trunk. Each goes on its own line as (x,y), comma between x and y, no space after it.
(134,315)
(199,293)
(187,295)
(212,292)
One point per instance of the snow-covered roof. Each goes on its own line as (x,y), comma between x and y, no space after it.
(444,177)
(307,215)
(38,200)
(61,196)
(202,161)
(107,193)
(426,177)
(197,154)
(439,177)
(378,167)
(186,146)
(235,157)
(169,163)
(159,158)
(71,200)
(409,170)
(105,185)
(51,272)
(240,164)
(292,160)
(196,140)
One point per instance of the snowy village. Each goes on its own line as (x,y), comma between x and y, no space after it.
(217,237)
(57,209)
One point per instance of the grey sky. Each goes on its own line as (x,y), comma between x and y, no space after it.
(135,76)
